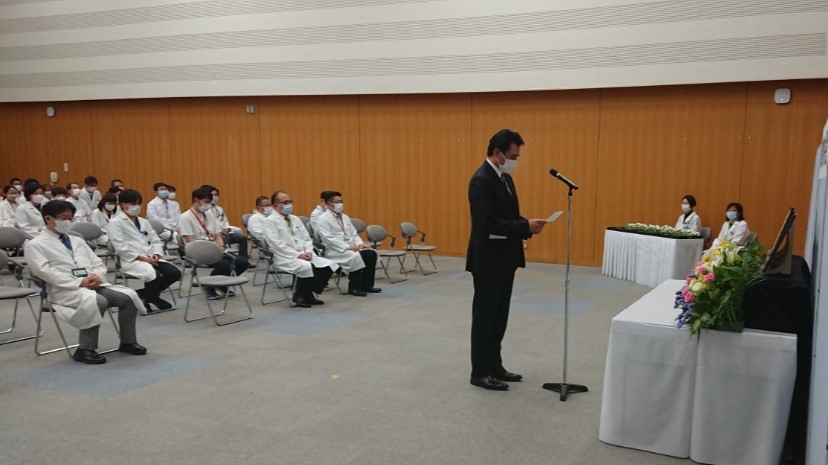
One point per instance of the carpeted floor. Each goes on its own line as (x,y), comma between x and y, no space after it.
(376,380)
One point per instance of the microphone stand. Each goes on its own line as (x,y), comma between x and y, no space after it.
(564,388)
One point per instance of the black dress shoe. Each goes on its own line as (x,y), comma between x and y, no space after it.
(300,301)
(90,357)
(314,301)
(357,292)
(504,375)
(147,305)
(373,290)
(487,382)
(161,304)
(132,348)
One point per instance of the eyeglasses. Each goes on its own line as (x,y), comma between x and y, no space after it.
(286,202)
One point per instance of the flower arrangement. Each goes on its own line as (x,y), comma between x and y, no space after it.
(655,229)
(711,298)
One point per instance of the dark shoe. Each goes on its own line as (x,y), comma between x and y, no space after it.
(486,382)
(300,301)
(212,294)
(504,375)
(146,305)
(373,290)
(89,357)
(314,301)
(357,293)
(230,293)
(132,349)
(161,304)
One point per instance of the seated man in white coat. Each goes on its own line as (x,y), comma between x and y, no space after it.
(140,250)
(343,245)
(255,224)
(76,281)
(83,212)
(165,211)
(292,248)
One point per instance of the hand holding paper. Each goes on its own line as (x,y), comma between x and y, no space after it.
(536,225)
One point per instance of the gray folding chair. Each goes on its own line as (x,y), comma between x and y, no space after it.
(202,254)
(409,231)
(752,237)
(16,293)
(271,270)
(11,240)
(377,234)
(704,232)
(170,246)
(46,307)
(125,277)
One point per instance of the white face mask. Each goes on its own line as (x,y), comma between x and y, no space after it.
(685,208)
(63,226)
(11,197)
(109,207)
(18,187)
(164,194)
(60,197)
(36,199)
(204,208)
(75,191)
(91,189)
(287,209)
(268,211)
(171,196)
(215,200)
(508,166)
(731,215)
(339,207)
(134,210)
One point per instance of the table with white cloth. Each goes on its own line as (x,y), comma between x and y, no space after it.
(718,397)
(649,259)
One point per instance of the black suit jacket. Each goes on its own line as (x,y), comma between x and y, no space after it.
(495,212)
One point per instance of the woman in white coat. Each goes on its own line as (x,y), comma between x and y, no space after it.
(8,205)
(28,217)
(735,228)
(76,281)
(689,220)
(289,242)
(106,210)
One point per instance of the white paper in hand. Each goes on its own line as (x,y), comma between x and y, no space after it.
(554,216)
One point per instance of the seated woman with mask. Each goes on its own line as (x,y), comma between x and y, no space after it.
(689,220)
(735,228)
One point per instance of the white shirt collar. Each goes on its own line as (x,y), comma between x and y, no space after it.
(496,168)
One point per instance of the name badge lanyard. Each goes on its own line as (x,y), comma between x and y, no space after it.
(203,225)
(292,234)
(342,227)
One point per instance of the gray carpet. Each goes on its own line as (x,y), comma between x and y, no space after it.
(376,380)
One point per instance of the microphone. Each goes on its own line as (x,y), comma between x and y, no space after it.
(563,179)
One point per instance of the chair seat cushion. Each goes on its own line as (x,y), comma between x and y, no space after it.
(422,248)
(390,253)
(8,292)
(223,281)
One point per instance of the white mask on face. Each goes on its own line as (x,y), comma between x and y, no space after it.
(508,166)
(91,189)
(11,198)
(204,208)
(63,226)
(268,211)
(110,207)
(685,208)
(288,209)
(171,196)
(75,191)
(339,207)
(18,187)
(60,197)
(37,199)
(134,210)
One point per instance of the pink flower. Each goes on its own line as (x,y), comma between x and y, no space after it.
(689,297)
(700,263)
(709,278)
(689,279)
(699,270)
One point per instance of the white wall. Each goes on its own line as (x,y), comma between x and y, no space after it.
(88,49)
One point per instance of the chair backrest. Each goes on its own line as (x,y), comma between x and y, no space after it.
(75,233)
(305,220)
(752,237)
(376,234)
(705,232)
(88,231)
(4,259)
(359,225)
(11,238)
(246,218)
(408,230)
(203,253)
(157,226)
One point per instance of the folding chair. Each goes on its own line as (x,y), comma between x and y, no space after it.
(170,247)
(46,307)
(16,293)
(11,240)
(752,237)
(271,269)
(202,254)
(359,225)
(124,278)
(704,232)
(409,231)
(377,234)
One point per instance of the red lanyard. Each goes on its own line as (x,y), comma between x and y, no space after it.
(203,225)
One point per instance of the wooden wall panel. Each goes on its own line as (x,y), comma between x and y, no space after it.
(215,141)
(659,144)
(131,142)
(23,153)
(560,130)
(310,144)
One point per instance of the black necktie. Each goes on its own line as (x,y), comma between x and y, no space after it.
(287,218)
(505,183)
(65,239)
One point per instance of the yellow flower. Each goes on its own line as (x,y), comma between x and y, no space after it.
(697,287)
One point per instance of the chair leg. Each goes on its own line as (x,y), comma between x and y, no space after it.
(39,333)
(385,264)
(420,266)
(14,321)
(249,310)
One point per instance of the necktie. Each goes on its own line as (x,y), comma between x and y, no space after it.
(65,240)
(505,183)
(287,218)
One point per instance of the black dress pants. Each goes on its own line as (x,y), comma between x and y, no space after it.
(304,286)
(364,278)
(165,274)
(490,315)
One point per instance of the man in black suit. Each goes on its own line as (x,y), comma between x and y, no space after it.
(495,252)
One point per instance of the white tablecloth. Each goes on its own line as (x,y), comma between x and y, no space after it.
(648,260)
(721,398)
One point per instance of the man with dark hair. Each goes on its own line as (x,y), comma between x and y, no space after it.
(90,193)
(494,254)
(292,248)
(255,224)
(231,234)
(140,251)
(117,183)
(76,281)
(83,212)
(164,211)
(344,246)
(17,183)
(318,210)
(197,224)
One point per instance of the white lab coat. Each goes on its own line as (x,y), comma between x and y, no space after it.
(314,216)
(220,217)
(82,211)
(166,212)
(737,232)
(691,223)
(90,200)
(338,234)
(7,216)
(52,262)
(130,243)
(287,242)
(255,225)
(101,219)
(29,220)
